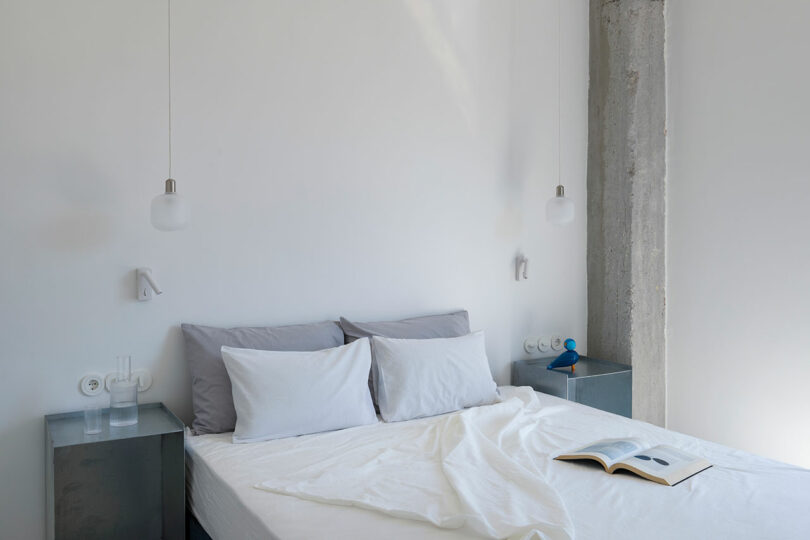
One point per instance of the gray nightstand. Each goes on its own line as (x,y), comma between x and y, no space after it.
(597,383)
(125,482)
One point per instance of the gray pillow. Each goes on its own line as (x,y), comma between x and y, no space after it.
(447,325)
(211,397)
(431,326)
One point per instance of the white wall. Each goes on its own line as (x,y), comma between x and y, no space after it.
(368,158)
(739,254)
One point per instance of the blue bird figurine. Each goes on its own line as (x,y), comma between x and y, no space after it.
(568,358)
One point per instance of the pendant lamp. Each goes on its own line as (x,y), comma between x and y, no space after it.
(170,211)
(559,209)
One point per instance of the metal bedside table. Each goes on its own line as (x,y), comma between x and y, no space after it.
(125,482)
(596,383)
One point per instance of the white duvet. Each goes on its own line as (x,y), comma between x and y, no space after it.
(473,470)
(379,471)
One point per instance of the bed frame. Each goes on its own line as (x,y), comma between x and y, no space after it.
(195,531)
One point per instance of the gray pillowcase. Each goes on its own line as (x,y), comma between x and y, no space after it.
(431,326)
(447,325)
(211,397)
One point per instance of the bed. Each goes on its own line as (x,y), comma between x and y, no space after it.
(741,496)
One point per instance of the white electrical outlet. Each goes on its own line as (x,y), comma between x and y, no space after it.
(556,343)
(91,384)
(544,344)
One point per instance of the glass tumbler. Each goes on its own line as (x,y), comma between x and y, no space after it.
(92,419)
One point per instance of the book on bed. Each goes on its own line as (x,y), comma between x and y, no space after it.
(662,464)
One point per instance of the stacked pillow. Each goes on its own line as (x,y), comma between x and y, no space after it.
(431,326)
(282,394)
(266,383)
(425,377)
(211,394)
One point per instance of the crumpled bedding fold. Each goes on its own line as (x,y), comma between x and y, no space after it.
(475,470)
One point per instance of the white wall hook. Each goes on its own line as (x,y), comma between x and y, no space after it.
(147,286)
(521,263)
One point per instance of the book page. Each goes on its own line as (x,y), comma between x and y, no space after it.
(609,450)
(664,462)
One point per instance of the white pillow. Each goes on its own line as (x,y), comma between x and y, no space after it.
(286,393)
(424,377)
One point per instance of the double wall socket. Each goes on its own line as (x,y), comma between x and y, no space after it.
(93,384)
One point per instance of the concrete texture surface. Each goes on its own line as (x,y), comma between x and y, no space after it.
(626,195)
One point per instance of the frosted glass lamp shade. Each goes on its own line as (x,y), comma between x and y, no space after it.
(169,210)
(560,209)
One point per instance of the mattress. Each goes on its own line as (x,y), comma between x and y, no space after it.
(742,496)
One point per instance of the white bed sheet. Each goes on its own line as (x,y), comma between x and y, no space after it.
(742,496)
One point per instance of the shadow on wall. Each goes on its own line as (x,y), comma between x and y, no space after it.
(433,23)
(77,229)
(173,347)
(75,221)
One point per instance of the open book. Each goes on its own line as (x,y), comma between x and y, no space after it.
(662,464)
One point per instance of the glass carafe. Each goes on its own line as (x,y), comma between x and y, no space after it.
(124,395)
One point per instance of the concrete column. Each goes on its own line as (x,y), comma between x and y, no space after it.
(626,195)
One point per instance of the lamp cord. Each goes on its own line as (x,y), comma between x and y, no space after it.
(559,94)
(169,33)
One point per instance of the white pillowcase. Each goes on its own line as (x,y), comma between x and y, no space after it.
(424,377)
(286,393)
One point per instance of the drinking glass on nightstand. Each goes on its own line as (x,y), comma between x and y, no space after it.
(92,419)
